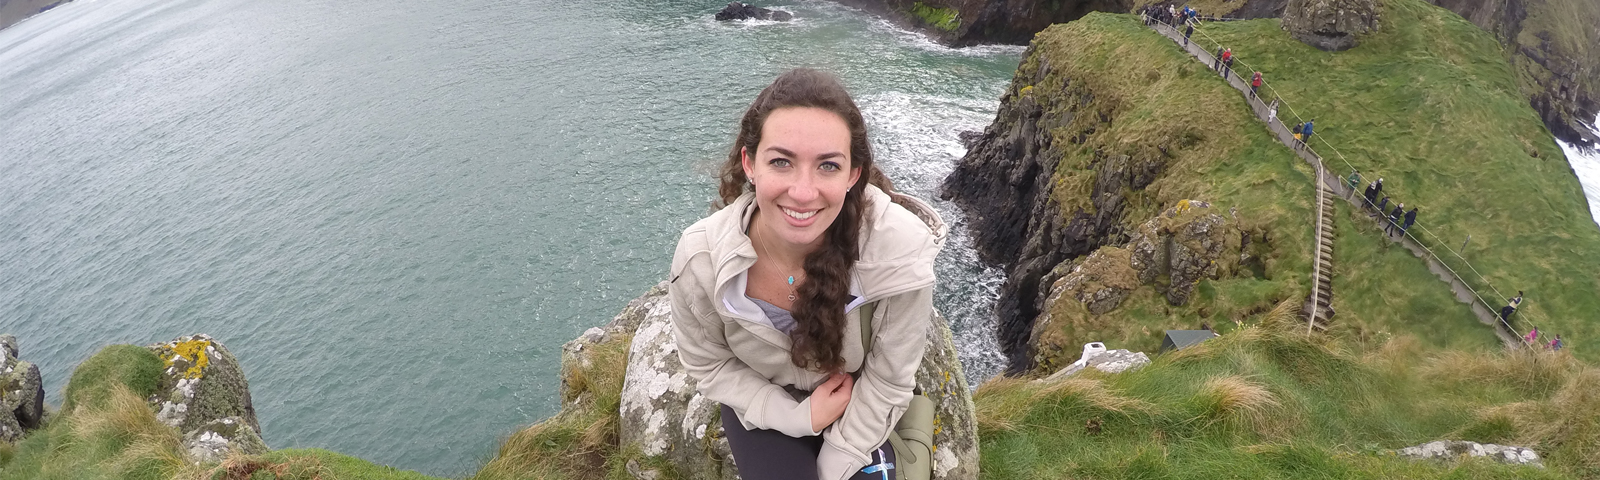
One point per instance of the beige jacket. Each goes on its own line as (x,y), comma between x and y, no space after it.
(739,359)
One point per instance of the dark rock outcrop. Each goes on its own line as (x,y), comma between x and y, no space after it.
(204,395)
(990,21)
(1005,182)
(21,393)
(1330,25)
(740,11)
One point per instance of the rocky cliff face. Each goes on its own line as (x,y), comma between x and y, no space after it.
(1330,25)
(1005,183)
(987,21)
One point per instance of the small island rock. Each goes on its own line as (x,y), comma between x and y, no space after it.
(740,11)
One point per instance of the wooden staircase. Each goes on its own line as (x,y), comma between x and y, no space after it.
(1318,309)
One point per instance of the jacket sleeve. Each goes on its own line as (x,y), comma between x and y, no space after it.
(718,373)
(883,390)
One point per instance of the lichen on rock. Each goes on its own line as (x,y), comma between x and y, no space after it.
(202,385)
(664,417)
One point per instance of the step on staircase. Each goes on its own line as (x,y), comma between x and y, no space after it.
(1318,308)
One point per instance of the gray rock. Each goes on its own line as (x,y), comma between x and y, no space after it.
(1447,450)
(662,412)
(10,430)
(665,416)
(217,439)
(8,345)
(202,384)
(1096,356)
(1183,244)
(21,389)
(1330,25)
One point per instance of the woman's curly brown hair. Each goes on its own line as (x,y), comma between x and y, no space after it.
(819,309)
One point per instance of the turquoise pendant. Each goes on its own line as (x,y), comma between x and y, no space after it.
(791,279)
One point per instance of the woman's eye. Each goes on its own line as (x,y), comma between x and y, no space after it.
(778,162)
(829,167)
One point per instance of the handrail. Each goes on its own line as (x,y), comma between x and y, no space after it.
(1156,23)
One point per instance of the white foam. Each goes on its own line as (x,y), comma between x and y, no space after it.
(1587,167)
(915,139)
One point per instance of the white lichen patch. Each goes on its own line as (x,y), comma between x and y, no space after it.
(944,461)
(172,414)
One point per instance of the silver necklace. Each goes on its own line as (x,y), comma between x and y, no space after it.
(789,280)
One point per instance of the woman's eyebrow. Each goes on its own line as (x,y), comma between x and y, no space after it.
(785,152)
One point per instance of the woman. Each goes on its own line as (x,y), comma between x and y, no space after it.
(766,292)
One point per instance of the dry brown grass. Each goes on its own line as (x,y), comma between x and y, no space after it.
(1536,372)
(1565,425)
(1239,399)
(126,418)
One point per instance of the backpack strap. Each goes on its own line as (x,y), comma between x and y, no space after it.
(866,328)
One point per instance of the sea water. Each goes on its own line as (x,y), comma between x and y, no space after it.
(395,212)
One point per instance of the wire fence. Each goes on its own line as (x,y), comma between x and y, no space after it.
(1454,266)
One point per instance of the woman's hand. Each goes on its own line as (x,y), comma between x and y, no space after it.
(829,399)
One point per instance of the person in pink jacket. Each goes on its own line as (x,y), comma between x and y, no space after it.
(767,292)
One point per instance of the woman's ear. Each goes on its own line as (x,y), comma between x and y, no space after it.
(744,161)
(855,174)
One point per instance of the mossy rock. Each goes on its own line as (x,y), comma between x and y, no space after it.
(201,383)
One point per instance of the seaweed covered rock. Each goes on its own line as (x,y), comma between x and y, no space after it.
(666,418)
(21,393)
(1330,25)
(201,386)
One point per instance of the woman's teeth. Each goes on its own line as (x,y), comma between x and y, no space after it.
(798,215)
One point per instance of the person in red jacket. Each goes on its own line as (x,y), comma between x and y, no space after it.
(1255,83)
(1227,62)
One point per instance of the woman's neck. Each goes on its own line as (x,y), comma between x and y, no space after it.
(769,243)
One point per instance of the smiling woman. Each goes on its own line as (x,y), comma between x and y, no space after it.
(766,290)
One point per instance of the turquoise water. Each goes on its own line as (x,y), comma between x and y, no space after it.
(395,212)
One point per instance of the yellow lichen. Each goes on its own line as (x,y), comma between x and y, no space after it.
(192,350)
(1027,90)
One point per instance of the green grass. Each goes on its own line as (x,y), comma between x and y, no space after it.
(1269,402)
(1128,91)
(106,430)
(1430,104)
(946,19)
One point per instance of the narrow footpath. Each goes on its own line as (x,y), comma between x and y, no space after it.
(1317,306)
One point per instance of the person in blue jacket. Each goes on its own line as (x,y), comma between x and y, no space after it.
(1305,133)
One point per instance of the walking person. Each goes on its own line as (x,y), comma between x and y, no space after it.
(1296,131)
(1411,218)
(1272,112)
(1394,218)
(1255,84)
(1532,336)
(1372,194)
(1555,345)
(1354,180)
(767,293)
(1227,64)
(1305,136)
(1378,211)
(1187,31)
(1216,60)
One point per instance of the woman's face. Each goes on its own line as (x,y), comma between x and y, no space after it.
(801,170)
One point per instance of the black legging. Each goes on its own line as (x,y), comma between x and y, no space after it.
(771,455)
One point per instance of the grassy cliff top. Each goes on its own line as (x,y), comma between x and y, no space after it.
(1430,104)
